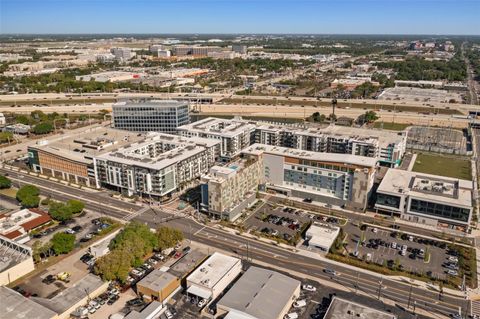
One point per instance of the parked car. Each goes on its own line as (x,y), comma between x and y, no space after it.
(300,303)
(112,300)
(77,228)
(50,279)
(291,315)
(309,288)
(135,302)
(202,303)
(168,314)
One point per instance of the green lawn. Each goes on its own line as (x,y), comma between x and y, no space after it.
(444,165)
(391,126)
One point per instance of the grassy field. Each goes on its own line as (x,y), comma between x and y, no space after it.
(391,126)
(444,165)
(10,192)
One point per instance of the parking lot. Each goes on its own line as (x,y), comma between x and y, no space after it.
(282,222)
(384,247)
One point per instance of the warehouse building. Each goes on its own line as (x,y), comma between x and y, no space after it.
(70,157)
(110,76)
(340,309)
(260,294)
(16,306)
(15,260)
(337,179)
(213,276)
(233,134)
(426,199)
(227,190)
(321,236)
(158,285)
(157,166)
(150,116)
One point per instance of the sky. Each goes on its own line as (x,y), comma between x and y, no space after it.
(241,16)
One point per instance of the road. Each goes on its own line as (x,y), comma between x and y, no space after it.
(397,291)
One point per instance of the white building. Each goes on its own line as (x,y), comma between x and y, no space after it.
(427,199)
(110,76)
(213,276)
(2,120)
(156,166)
(233,134)
(321,236)
(338,179)
(123,54)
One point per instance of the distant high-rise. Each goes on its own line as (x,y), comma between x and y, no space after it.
(155,115)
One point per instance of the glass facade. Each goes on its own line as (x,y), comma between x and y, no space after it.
(145,117)
(439,210)
(388,200)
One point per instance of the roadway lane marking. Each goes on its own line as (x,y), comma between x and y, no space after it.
(198,231)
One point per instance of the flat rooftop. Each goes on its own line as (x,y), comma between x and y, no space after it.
(217,126)
(12,253)
(72,295)
(157,280)
(260,293)
(187,263)
(341,309)
(92,142)
(212,270)
(258,149)
(322,234)
(452,191)
(16,306)
(159,150)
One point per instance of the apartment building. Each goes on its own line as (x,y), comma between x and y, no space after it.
(233,134)
(70,156)
(154,115)
(123,54)
(156,166)
(227,190)
(387,147)
(426,199)
(339,179)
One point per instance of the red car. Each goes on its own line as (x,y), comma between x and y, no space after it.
(178,255)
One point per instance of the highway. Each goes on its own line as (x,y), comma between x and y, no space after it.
(400,292)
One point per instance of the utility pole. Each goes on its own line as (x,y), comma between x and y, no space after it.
(334,104)
(356,282)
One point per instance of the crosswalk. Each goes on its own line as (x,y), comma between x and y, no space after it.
(136,213)
(475,307)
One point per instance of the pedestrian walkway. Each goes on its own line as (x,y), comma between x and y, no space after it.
(136,213)
(475,308)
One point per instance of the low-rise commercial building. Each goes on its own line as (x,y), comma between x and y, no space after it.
(157,166)
(153,310)
(15,261)
(18,128)
(213,276)
(70,157)
(322,236)
(16,306)
(17,225)
(150,116)
(110,76)
(340,309)
(260,294)
(233,134)
(426,199)
(158,285)
(339,179)
(227,190)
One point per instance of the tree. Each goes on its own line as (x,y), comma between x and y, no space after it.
(332,117)
(28,196)
(75,206)
(6,137)
(59,211)
(168,237)
(367,117)
(63,243)
(317,117)
(5,182)
(43,128)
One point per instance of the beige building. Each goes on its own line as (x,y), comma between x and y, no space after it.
(15,260)
(158,285)
(227,190)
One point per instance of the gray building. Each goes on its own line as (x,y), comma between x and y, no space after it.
(16,306)
(260,293)
(239,48)
(341,309)
(146,116)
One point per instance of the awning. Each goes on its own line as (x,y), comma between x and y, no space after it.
(199,292)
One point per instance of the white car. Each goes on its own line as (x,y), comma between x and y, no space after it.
(453,259)
(168,314)
(394,245)
(300,303)
(291,315)
(69,231)
(202,303)
(309,288)
(375,230)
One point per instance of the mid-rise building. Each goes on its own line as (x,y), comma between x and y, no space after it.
(239,48)
(233,134)
(150,116)
(426,199)
(214,275)
(228,190)
(387,147)
(339,179)
(122,54)
(70,156)
(157,166)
